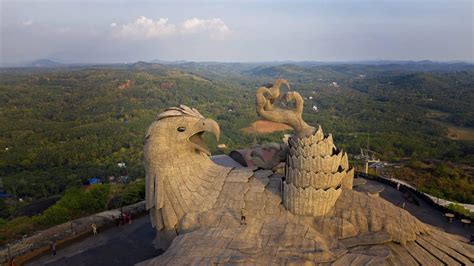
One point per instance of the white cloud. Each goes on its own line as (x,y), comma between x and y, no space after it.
(63,30)
(145,28)
(27,23)
(215,27)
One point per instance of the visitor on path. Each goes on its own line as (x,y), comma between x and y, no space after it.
(125,218)
(243,214)
(129,217)
(398,186)
(94,229)
(12,262)
(53,248)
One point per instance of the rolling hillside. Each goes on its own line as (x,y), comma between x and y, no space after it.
(61,126)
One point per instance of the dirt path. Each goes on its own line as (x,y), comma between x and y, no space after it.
(265,127)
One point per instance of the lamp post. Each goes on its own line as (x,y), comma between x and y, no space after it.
(367,168)
(9,252)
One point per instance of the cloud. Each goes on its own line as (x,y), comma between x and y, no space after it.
(144,28)
(215,27)
(27,23)
(62,30)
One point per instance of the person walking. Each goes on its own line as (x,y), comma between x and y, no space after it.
(53,248)
(243,214)
(94,229)
(121,218)
(125,218)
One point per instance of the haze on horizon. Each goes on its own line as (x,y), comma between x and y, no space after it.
(112,31)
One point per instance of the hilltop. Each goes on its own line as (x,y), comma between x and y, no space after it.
(45,63)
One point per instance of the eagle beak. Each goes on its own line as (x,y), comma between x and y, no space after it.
(204,125)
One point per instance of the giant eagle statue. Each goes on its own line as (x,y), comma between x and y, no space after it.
(207,214)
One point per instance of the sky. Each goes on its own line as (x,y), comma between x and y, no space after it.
(119,31)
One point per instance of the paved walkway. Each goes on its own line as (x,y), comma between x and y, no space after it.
(125,245)
(424,212)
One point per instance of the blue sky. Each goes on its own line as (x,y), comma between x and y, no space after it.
(108,31)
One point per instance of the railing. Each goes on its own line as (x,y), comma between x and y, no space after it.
(404,187)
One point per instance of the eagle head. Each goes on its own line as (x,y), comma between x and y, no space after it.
(181,129)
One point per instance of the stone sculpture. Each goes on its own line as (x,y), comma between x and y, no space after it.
(220,215)
(316,171)
(266,98)
(180,177)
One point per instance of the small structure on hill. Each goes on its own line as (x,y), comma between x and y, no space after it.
(334,84)
(3,193)
(368,157)
(94,181)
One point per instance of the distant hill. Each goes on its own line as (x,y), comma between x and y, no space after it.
(45,63)
(273,71)
(166,62)
(144,65)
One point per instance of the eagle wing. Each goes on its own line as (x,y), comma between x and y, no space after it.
(154,184)
(361,230)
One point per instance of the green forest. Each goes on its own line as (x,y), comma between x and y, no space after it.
(60,127)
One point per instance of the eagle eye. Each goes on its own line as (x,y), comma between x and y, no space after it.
(181,129)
